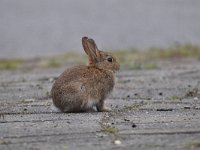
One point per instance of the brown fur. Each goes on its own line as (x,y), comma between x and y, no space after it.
(80,88)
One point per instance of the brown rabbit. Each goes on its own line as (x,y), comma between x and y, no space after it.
(81,88)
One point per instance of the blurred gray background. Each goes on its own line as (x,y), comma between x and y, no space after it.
(30,28)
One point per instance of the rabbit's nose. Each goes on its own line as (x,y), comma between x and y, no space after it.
(117,66)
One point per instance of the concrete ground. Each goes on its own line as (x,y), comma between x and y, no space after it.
(151,109)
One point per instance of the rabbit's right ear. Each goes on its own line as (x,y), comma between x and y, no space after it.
(90,50)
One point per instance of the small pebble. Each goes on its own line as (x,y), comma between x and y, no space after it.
(134,125)
(28,100)
(55,125)
(117,142)
(195,98)
(51,79)
(187,107)
(108,124)
(106,116)
(125,119)
(164,109)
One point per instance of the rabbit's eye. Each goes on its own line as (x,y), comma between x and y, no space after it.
(110,59)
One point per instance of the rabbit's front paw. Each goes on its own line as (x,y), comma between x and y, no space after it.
(102,108)
(106,109)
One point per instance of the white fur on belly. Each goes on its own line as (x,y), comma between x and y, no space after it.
(91,103)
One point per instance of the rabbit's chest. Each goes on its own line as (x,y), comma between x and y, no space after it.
(106,86)
(98,87)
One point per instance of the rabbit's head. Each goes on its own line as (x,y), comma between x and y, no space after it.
(98,58)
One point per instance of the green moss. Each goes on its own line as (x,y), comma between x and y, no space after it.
(150,66)
(3,142)
(74,57)
(71,54)
(111,130)
(175,98)
(62,148)
(154,145)
(129,58)
(9,64)
(25,101)
(147,59)
(53,62)
(141,66)
(66,58)
(195,144)
(176,51)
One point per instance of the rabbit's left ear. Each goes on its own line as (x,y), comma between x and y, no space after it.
(85,45)
(92,45)
(91,50)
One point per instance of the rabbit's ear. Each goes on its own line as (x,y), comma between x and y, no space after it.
(90,48)
(92,45)
(85,45)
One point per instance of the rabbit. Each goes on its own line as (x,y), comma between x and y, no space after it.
(85,87)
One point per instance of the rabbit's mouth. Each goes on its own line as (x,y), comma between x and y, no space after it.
(112,71)
(115,69)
